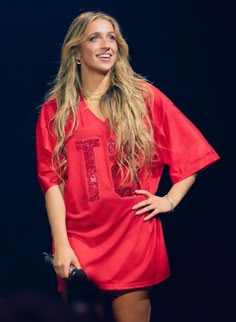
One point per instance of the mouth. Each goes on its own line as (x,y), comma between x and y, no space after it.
(104,56)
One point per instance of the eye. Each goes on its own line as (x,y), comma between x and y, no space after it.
(112,37)
(93,38)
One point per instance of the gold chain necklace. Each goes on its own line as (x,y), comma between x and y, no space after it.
(91,97)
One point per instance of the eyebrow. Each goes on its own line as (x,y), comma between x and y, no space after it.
(99,33)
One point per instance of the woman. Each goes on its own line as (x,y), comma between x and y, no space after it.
(104,135)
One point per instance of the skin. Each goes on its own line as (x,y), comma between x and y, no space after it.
(156,204)
(100,40)
(132,306)
(63,255)
(97,54)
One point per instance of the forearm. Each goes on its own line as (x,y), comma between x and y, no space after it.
(56,211)
(179,189)
(64,255)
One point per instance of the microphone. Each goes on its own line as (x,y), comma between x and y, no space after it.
(75,274)
(83,295)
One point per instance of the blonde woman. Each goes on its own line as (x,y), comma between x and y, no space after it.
(104,135)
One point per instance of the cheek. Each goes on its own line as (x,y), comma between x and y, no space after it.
(88,52)
(116,47)
(115,50)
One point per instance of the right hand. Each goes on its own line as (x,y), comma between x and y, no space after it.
(63,258)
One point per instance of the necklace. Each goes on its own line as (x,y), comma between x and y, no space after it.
(91,96)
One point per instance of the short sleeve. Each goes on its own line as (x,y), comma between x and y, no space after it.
(45,143)
(181,146)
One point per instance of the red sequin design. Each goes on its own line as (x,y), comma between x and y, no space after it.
(121,189)
(88,146)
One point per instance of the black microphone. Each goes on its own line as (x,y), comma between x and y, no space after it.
(75,274)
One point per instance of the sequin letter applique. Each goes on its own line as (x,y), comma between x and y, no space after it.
(88,146)
(121,189)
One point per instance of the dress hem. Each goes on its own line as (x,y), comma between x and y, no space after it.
(112,287)
(116,287)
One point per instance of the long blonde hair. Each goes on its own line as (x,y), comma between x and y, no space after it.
(124,104)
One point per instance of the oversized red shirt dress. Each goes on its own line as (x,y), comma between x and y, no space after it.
(117,249)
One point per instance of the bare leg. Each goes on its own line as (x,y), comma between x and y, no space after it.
(132,306)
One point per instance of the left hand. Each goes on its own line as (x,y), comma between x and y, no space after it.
(153,205)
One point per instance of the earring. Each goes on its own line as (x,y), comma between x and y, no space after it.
(78,61)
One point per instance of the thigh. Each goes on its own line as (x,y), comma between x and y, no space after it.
(131,305)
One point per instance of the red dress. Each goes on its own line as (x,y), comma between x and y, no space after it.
(117,249)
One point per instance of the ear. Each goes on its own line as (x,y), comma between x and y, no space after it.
(78,58)
(78,61)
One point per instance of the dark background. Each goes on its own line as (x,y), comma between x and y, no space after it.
(187,49)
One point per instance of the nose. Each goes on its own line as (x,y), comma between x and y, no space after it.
(105,43)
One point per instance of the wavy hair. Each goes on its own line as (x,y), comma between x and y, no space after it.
(124,103)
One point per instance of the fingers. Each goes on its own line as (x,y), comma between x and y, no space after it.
(144,209)
(62,269)
(76,263)
(144,202)
(143,192)
(152,206)
(63,261)
(145,205)
(141,204)
(151,215)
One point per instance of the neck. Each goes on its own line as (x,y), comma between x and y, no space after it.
(95,85)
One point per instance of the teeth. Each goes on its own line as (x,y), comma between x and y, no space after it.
(104,56)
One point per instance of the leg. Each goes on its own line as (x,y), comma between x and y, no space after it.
(132,306)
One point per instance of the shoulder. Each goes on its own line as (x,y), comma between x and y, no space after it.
(49,107)
(153,96)
(46,114)
(48,110)
(159,97)
(155,100)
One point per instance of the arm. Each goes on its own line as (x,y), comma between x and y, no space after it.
(181,147)
(64,255)
(156,205)
(52,188)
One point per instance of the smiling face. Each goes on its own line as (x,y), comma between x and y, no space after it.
(98,52)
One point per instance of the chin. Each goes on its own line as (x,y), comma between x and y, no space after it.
(95,69)
(104,71)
